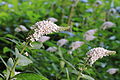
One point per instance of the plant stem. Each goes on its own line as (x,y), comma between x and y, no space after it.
(60,54)
(16,61)
(71,14)
(68,77)
(79,76)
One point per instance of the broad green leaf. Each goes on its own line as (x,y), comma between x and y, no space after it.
(16,52)
(13,40)
(10,63)
(10,36)
(30,76)
(36,45)
(22,60)
(87,77)
(6,49)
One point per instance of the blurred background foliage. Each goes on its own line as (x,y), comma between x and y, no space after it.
(85,16)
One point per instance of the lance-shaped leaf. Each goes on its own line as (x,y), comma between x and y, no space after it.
(87,77)
(30,76)
(22,60)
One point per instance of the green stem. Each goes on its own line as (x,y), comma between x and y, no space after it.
(60,54)
(4,63)
(71,13)
(79,76)
(16,62)
(68,77)
(85,65)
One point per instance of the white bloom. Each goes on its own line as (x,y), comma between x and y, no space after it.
(76,44)
(89,35)
(112,70)
(61,42)
(51,49)
(21,28)
(44,27)
(107,25)
(52,19)
(44,38)
(96,53)
(17,73)
(26,54)
(70,51)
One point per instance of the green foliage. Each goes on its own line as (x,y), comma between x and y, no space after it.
(29,76)
(22,60)
(59,65)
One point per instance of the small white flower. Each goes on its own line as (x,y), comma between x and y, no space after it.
(107,25)
(76,45)
(112,70)
(70,51)
(52,49)
(26,54)
(17,73)
(21,28)
(52,19)
(89,35)
(44,38)
(96,53)
(61,42)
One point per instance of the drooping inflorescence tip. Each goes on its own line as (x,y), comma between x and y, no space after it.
(97,53)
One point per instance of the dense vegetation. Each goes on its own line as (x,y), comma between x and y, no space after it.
(102,17)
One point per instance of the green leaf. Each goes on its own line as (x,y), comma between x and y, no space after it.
(36,45)
(87,77)
(10,36)
(10,63)
(22,60)
(14,41)
(30,76)
(6,49)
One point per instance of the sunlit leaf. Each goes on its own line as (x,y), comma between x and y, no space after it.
(30,76)
(22,60)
